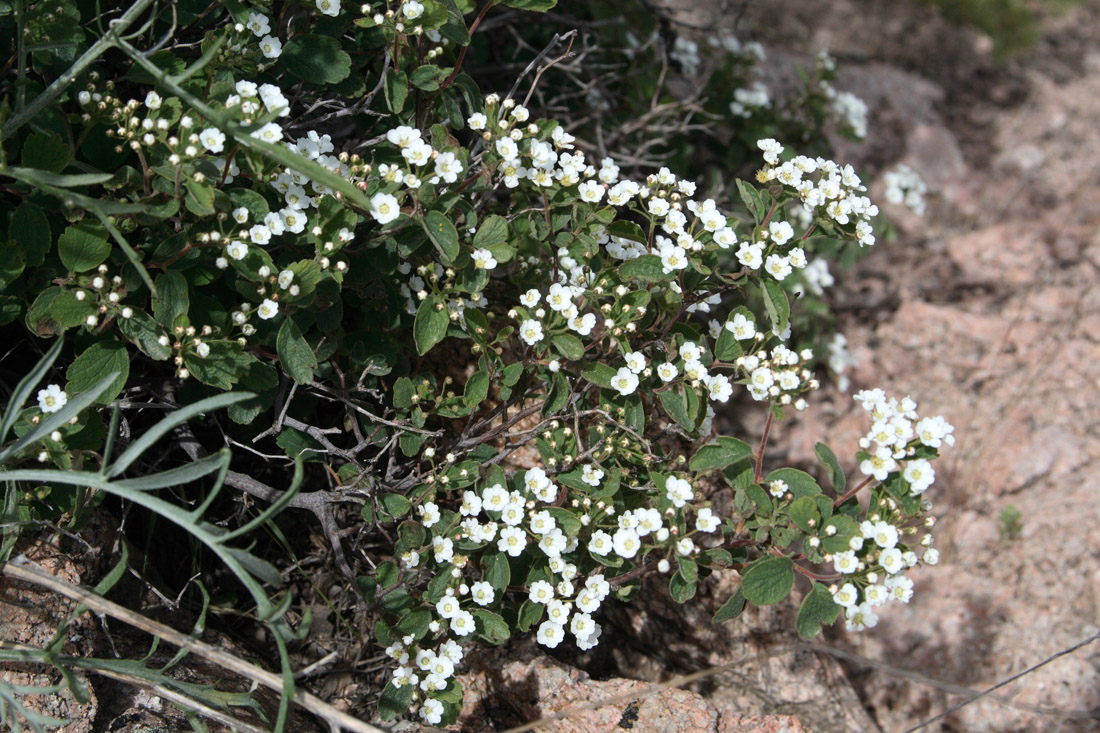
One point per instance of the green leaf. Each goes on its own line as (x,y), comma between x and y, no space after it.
(530,613)
(428,77)
(723,452)
(688,569)
(223,367)
(295,354)
(539,6)
(143,331)
(13,260)
(647,268)
(200,198)
(751,198)
(599,374)
(396,88)
(493,231)
(732,608)
(403,392)
(316,59)
(804,511)
(800,483)
(569,346)
(768,580)
(83,246)
(727,348)
(497,571)
(818,609)
(844,529)
(30,228)
(443,235)
(455,28)
(68,311)
(829,460)
(97,361)
(297,444)
(396,505)
(415,622)
(681,589)
(775,302)
(491,627)
(673,402)
(45,151)
(477,389)
(430,325)
(394,701)
(627,230)
(172,298)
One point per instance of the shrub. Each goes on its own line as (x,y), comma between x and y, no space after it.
(509,352)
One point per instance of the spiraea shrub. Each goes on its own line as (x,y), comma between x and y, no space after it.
(451,311)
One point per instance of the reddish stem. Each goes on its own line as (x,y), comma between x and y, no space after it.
(763,444)
(852,493)
(462,53)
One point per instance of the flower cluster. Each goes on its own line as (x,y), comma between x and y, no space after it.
(902,445)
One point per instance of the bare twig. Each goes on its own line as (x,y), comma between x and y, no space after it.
(339,720)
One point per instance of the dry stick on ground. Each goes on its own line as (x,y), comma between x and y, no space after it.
(337,720)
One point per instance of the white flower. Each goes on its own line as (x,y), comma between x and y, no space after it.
(429,513)
(626,543)
(741,327)
(259,24)
(705,521)
(931,556)
(512,541)
(52,399)
(212,139)
(530,332)
(329,7)
(847,596)
(591,475)
(268,309)
(719,387)
(271,133)
(541,592)
(482,593)
(483,259)
(463,623)
(431,711)
(678,491)
(891,560)
(778,267)
(560,297)
(667,371)
(920,475)
(860,617)
(412,9)
(600,543)
(384,208)
(885,535)
(590,191)
(624,381)
(259,234)
(203,350)
(550,634)
(271,47)
(847,562)
(444,549)
(477,121)
(447,607)
(635,361)
(236,250)
(448,168)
